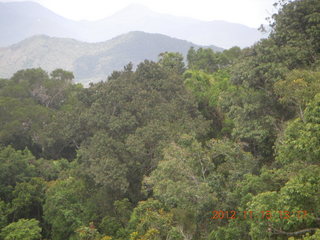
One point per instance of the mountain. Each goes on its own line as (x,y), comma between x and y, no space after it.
(218,33)
(89,61)
(19,20)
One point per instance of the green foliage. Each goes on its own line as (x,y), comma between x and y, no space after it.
(62,75)
(105,168)
(15,167)
(21,121)
(298,89)
(295,30)
(3,214)
(300,193)
(51,170)
(308,237)
(290,46)
(195,177)
(179,179)
(151,221)
(88,233)
(206,59)
(153,152)
(110,226)
(28,102)
(172,62)
(28,198)
(24,229)
(64,207)
(209,91)
(131,118)
(300,141)
(236,229)
(198,82)
(123,210)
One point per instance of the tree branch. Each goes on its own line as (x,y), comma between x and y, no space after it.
(280,232)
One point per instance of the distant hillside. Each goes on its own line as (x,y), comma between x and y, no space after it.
(88,61)
(19,20)
(218,33)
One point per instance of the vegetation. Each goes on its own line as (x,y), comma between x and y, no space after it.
(90,62)
(224,148)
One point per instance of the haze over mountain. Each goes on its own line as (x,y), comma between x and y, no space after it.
(90,62)
(20,20)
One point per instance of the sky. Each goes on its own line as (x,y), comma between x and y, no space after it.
(248,12)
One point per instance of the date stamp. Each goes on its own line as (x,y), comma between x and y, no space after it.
(219,214)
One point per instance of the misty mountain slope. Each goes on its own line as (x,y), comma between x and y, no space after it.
(19,20)
(89,61)
(219,33)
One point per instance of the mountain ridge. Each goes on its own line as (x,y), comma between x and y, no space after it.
(90,62)
(17,24)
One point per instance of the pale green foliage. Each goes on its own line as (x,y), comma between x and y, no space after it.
(300,193)
(87,233)
(191,177)
(198,82)
(300,141)
(208,87)
(179,179)
(189,172)
(315,236)
(298,88)
(152,222)
(24,229)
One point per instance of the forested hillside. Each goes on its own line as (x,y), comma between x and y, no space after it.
(89,62)
(226,147)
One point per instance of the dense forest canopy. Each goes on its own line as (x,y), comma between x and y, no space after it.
(226,147)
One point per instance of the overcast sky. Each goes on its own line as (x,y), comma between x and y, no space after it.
(249,12)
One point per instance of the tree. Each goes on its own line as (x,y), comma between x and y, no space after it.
(172,62)
(24,229)
(179,179)
(131,118)
(289,212)
(300,141)
(206,59)
(196,177)
(291,45)
(64,208)
(210,91)
(62,75)
(3,214)
(298,89)
(21,122)
(150,221)
(15,167)
(106,168)
(28,198)
(88,233)
(294,28)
